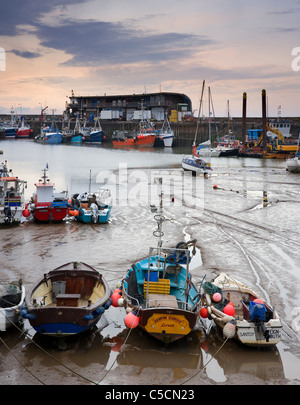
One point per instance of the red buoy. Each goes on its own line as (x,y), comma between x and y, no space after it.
(229,310)
(131,320)
(114,299)
(203,312)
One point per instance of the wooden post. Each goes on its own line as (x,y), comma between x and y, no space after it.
(244,118)
(264,120)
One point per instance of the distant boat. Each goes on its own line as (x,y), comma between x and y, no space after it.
(49,135)
(47,206)
(12,294)
(11,129)
(293,164)
(145,136)
(66,301)
(194,163)
(73,136)
(24,130)
(96,134)
(166,133)
(12,189)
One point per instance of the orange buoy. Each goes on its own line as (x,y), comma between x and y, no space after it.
(203,312)
(131,320)
(114,299)
(229,310)
(26,213)
(258,301)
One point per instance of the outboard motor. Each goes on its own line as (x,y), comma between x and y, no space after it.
(257,314)
(8,214)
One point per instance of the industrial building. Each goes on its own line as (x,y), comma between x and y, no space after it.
(130,107)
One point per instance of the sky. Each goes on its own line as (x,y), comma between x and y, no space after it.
(96,47)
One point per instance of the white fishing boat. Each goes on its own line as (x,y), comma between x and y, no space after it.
(240,313)
(12,190)
(166,133)
(293,164)
(12,295)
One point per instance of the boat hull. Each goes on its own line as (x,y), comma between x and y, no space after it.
(88,216)
(23,133)
(94,137)
(293,165)
(45,212)
(168,140)
(10,132)
(190,164)
(11,315)
(67,301)
(144,140)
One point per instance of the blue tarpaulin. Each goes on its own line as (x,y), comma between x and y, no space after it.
(257,312)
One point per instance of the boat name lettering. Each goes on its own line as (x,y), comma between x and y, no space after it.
(250,333)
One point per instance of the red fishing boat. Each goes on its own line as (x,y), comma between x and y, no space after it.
(24,130)
(46,205)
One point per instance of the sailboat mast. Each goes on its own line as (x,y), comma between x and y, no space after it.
(228,122)
(209,129)
(90,182)
(199,112)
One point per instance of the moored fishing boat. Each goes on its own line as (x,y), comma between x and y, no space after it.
(46,205)
(158,293)
(49,135)
(293,164)
(24,130)
(91,207)
(166,133)
(12,202)
(68,300)
(12,295)
(239,312)
(96,134)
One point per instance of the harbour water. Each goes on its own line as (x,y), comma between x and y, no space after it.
(246,219)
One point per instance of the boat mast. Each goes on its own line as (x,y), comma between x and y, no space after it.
(209,129)
(199,112)
(90,181)
(228,122)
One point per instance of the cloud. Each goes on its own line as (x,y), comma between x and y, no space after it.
(26,54)
(16,12)
(93,42)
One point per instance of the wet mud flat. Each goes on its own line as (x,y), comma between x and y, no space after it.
(247,226)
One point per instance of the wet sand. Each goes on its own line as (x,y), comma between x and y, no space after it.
(235,233)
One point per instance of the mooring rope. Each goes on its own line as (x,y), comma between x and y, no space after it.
(43,350)
(205,365)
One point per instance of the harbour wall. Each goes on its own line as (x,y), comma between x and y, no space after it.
(184,131)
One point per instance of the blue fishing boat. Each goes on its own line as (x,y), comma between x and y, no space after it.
(158,292)
(96,135)
(49,135)
(66,301)
(91,207)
